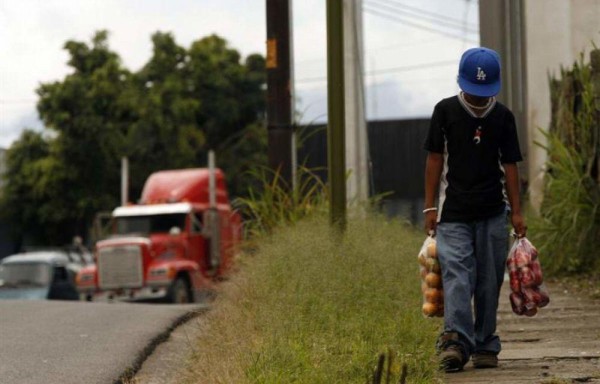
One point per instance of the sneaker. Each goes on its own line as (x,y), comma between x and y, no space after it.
(485,359)
(452,358)
(450,352)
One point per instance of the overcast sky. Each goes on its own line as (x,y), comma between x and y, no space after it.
(411,54)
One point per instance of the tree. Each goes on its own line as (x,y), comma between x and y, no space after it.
(21,198)
(166,133)
(167,115)
(90,119)
(196,100)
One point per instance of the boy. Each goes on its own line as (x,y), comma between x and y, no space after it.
(473,150)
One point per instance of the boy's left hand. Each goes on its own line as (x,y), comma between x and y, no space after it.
(518,223)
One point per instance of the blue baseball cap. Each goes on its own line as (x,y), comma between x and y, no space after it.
(479,72)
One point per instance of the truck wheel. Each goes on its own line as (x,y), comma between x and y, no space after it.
(179,292)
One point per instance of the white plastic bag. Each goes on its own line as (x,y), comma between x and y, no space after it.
(526,279)
(431,279)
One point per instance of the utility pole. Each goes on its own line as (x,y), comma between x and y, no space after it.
(279,87)
(356,125)
(124,181)
(336,113)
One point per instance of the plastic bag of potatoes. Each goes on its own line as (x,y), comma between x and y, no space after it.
(431,279)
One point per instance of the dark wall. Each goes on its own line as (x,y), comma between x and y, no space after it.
(396,152)
(398,157)
(397,162)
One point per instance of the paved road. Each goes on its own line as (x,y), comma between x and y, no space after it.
(78,342)
(560,345)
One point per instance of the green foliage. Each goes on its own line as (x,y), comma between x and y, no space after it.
(242,152)
(272,202)
(568,229)
(167,115)
(311,307)
(21,197)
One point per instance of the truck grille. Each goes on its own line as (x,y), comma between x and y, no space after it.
(120,267)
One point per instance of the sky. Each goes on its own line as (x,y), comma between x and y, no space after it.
(411,47)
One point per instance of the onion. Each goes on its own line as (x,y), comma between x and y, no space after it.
(526,277)
(517,303)
(522,258)
(531,312)
(544,298)
(536,269)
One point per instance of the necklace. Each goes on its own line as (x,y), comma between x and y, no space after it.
(487,104)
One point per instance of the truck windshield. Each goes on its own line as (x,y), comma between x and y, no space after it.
(26,274)
(149,224)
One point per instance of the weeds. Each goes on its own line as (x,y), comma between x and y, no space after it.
(277,203)
(568,228)
(567,231)
(310,307)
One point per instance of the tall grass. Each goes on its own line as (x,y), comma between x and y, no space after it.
(568,228)
(567,231)
(313,307)
(274,202)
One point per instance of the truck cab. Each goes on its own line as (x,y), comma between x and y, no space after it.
(171,246)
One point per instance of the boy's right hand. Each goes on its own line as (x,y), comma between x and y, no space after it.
(430,221)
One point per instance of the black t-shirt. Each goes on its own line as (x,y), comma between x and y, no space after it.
(474,149)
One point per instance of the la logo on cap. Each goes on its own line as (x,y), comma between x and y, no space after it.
(480,74)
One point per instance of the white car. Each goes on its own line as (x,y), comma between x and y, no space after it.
(39,275)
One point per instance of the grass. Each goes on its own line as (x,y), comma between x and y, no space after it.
(313,307)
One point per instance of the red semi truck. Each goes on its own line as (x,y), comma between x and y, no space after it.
(181,236)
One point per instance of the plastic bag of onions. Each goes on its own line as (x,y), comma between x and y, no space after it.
(528,292)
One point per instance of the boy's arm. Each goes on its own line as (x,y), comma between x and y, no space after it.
(511,173)
(433,172)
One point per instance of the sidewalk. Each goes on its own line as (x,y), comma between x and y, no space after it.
(560,345)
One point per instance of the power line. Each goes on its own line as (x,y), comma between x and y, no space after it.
(437,79)
(419,26)
(412,67)
(427,13)
(405,68)
(382,48)
(411,44)
(448,22)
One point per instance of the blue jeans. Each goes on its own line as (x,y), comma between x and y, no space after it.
(473,256)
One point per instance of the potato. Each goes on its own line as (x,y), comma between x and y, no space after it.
(431,250)
(433,295)
(433,280)
(429,309)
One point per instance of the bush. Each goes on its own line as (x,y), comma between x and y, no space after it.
(568,228)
